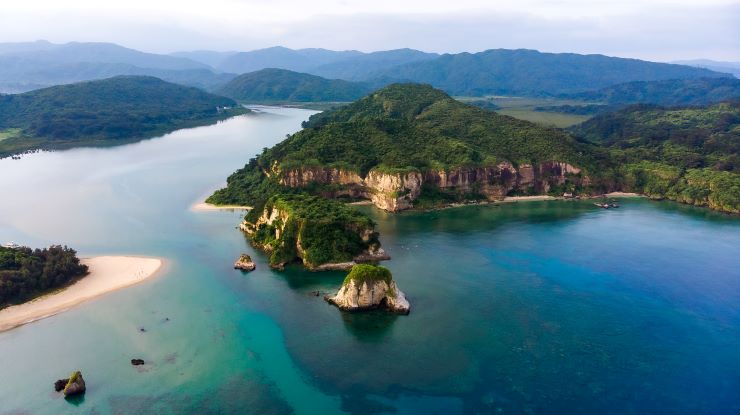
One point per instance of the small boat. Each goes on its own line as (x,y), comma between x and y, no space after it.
(602,205)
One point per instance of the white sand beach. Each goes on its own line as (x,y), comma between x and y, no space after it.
(107,274)
(203,206)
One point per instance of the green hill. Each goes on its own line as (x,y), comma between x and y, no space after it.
(687,154)
(672,92)
(412,145)
(531,73)
(105,112)
(281,85)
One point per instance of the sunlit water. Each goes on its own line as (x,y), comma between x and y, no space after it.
(546,307)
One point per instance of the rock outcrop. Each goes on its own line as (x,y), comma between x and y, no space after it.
(395,190)
(75,385)
(244,263)
(137,362)
(322,234)
(369,287)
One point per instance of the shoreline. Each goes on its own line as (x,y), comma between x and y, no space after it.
(203,207)
(107,274)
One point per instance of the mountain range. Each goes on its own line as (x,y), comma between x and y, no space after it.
(32,65)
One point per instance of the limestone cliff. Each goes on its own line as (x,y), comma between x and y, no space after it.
(397,190)
(322,234)
(368,287)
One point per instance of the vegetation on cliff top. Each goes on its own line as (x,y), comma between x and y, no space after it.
(404,127)
(367,273)
(281,85)
(105,112)
(411,125)
(312,228)
(26,273)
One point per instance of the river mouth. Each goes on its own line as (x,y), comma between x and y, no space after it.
(537,307)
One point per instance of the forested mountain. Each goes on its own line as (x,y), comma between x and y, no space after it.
(33,65)
(399,129)
(687,154)
(280,85)
(410,145)
(26,273)
(364,67)
(673,92)
(208,57)
(104,112)
(300,60)
(532,73)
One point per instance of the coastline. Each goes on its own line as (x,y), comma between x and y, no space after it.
(203,206)
(107,274)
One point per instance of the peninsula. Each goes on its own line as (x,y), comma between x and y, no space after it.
(107,112)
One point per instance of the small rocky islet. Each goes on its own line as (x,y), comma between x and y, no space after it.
(368,287)
(244,263)
(74,385)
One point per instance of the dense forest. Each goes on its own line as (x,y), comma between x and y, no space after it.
(328,231)
(280,85)
(26,273)
(531,73)
(402,127)
(672,92)
(105,112)
(687,154)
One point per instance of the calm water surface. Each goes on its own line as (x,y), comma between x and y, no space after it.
(543,307)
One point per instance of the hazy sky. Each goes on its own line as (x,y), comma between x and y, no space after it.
(649,29)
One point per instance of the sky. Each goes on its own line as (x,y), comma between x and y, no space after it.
(659,30)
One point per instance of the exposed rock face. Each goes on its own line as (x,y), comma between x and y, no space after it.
(288,236)
(244,263)
(75,385)
(378,290)
(394,192)
(397,191)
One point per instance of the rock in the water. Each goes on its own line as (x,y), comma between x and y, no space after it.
(75,385)
(137,362)
(60,384)
(367,287)
(245,263)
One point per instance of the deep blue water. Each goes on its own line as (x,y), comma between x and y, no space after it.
(538,307)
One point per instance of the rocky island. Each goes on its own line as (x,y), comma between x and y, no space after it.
(322,234)
(74,385)
(369,287)
(245,263)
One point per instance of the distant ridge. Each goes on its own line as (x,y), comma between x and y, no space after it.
(281,85)
(104,112)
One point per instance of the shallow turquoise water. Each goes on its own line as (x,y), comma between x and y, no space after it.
(542,307)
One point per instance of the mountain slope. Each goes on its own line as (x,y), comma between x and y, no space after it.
(300,60)
(408,145)
(674,92)
(532,73)
(687,154)
(280,85)
(104,112)
(363,67)
(33,65)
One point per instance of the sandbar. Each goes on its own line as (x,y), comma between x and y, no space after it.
(107,274)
